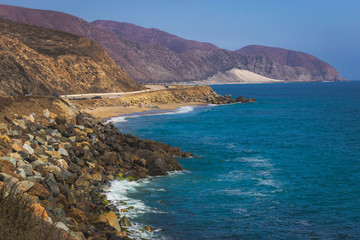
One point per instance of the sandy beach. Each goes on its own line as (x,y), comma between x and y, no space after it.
(115,111)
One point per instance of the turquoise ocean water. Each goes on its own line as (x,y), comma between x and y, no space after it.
(286,167)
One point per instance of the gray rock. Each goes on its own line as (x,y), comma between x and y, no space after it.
(62,226)
(55,170)
(12,160)
(21,172)
(59,213)
(40,140)
(34,179)
(63,152)
(66,175)
(12,183)
(51,182)
(26,185)
(37,163)
(28,169)
(52,141)
(23,154)
(54,132)
(39,151)
(50,148)
(74,168)
(28,148)
(125,222)
(31,137)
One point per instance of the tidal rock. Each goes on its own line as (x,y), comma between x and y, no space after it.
(78,215)
(125,222)
(113,221)
(148,228)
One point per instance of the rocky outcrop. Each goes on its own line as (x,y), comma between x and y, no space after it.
(43,61)
(175,94)
(60,163)
(162,62)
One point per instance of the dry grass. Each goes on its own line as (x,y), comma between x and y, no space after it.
(17,222)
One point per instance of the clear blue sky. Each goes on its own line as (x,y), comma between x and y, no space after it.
(328,29)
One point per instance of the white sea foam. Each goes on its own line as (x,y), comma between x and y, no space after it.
(119,192)
(176,172)
(123,118)
(241,192)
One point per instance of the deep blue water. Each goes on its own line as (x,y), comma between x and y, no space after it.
(286,167)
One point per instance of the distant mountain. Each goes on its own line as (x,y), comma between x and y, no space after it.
(173,60)
(304,62)
(42,61)
(153,36)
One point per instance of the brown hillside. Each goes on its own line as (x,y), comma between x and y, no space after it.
(43,61)
(153,36)
(155,63)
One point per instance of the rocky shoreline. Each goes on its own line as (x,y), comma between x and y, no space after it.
(60,160)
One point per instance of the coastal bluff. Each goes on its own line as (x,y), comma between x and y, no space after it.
(60,160)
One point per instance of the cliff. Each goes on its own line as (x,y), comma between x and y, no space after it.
(305,65)
(42,61)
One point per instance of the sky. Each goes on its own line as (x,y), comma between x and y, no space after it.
(327,29)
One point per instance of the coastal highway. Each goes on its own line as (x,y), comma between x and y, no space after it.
(150,88)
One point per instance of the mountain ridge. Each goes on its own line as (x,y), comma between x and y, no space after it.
(156,63)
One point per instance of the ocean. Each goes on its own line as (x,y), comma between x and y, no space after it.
(285,167)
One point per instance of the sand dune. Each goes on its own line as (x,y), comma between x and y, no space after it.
(235,76)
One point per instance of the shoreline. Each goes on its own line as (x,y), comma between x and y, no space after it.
(108,112)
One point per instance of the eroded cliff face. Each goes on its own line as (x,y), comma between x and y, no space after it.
(43,61)
(295,65)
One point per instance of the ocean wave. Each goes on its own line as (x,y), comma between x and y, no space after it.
(241,192)
(118,193)
(176,172)
(156,112)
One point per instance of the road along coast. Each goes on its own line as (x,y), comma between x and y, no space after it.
(158,98)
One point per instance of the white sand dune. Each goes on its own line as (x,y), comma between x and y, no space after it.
(236,76)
